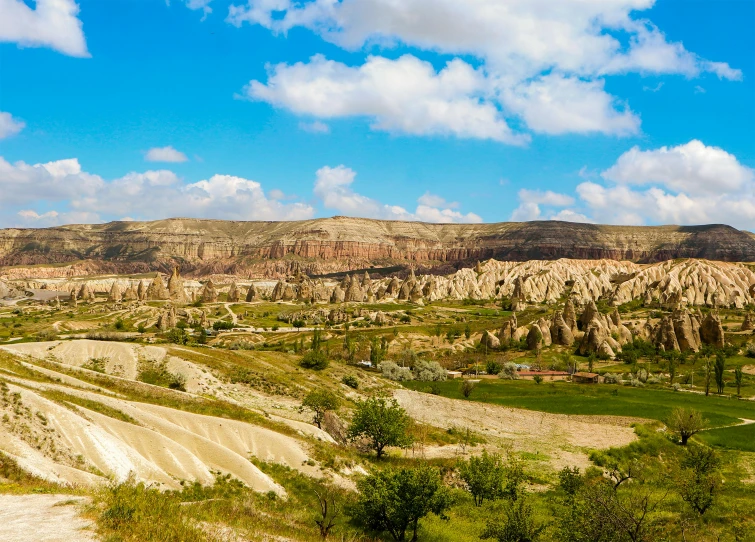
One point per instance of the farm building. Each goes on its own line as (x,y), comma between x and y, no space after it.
(585,378)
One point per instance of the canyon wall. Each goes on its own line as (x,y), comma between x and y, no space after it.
(331,245)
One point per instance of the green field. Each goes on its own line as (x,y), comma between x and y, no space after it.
(601,399)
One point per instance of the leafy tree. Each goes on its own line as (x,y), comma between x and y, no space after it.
(316,360)
(382,422)
(570,481)
(719,368)
(518,524)
(177,336)
(685,423)
(467,331)
(466,388)
(492,367)
(394,500)
(485,476)
(298,324)
(698,482)
(320,402)
(738,378)
(316,341)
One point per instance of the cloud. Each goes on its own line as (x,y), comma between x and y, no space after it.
(531,200)
(165,154)
(403,96)
(315,127)
(83,197)
(333,188)
(9,126)
(693,168)
(520,37)
(433,200)
(554,104)
(539,60)
(53,24)
(687,184)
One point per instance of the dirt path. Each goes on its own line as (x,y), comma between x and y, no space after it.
(43,518)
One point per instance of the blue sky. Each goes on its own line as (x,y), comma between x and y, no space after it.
(612,111)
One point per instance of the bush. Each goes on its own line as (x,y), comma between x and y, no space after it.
(612,378)
(492,367)
(509,371)
(538,379)
(392,371)
(314,360)
(221,325)
(429,371)
(351,381)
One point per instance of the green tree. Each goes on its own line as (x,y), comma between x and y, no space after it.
(738,378)
(484,476)
(467,387)
(467,330)
(314,360)
(518,524)
(382,422)
(298,323)
(395,500)
(320,402)
(685,423)
(698,482)
(719,368)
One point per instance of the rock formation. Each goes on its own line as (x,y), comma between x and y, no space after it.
(251,294)
(209,292)
(233,293)
(489,340)
(86,293)
(711,330)
(141,291)
(747,323)
(176,290)
(116,294)
(535,338)
(131,293)
(157,290)
(561,333)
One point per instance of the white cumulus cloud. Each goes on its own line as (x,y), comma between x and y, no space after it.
(405,96)
(51,23)
(165,154)
(28,190)
(9,126)
(333,188)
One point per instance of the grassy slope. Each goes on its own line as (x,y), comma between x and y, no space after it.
(567,398)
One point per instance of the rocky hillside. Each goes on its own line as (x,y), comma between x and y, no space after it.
(316,247)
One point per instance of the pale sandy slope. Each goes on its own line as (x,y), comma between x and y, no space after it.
(564,439)
(42,518)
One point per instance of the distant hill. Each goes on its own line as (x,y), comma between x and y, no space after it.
(332,245)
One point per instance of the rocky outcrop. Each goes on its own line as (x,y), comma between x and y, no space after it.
(141,291)
(344,244)
(176,290)
(131,293)
(116,294)
(251,294)
(535,338)
(489,340)
(711,330)
(157,290)
(86,293)
(209,292)
(233,293)
(561,333)
(508,330)
(747,323)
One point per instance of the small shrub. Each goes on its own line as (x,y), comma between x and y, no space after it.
(392,371)
(509,371)
(538,379)
(351,381)
(429,371)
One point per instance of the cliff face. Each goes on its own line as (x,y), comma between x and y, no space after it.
(341,244)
